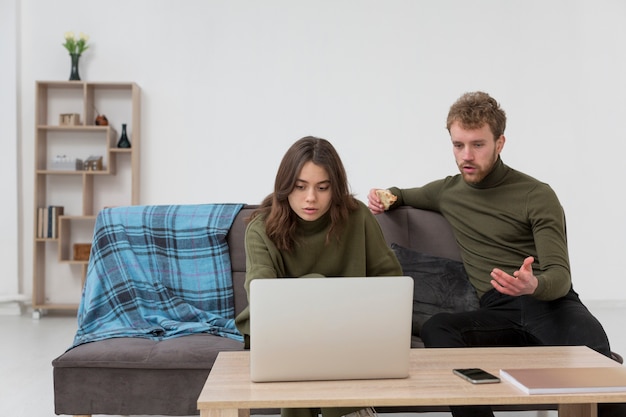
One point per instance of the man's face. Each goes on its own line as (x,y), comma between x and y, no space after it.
(475,150)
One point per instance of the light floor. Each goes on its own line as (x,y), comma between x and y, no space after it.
(28,347)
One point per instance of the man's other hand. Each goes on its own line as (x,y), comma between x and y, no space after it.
(522,282)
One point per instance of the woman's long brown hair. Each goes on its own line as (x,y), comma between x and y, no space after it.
(280,220)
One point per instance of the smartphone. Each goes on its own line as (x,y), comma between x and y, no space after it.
(476,376)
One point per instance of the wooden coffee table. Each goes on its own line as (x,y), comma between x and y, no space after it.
(228,391)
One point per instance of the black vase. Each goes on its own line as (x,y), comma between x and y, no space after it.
(74,76)
(123,142)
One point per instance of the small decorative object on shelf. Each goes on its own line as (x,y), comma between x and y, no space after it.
(82,251)
(76,47)
(101,119)
(123,142)
(64,163)
(93,163)
(74,75)
(69,119)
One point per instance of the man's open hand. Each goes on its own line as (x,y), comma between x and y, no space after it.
(522,282)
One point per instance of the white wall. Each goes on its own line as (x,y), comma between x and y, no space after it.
(228,85)
(8,138)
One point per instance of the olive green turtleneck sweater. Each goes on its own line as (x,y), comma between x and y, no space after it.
(360,251)
(499,222)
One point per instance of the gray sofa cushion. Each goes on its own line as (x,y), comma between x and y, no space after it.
(185,352)
(439,285)
(136,376)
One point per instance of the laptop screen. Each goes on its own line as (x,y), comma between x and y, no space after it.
(330,328)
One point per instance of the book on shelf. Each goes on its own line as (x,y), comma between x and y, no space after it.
(56,212)
(40,211)
(48,221)
(42,222)
(567,380)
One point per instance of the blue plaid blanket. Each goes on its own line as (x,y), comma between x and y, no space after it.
(159,272)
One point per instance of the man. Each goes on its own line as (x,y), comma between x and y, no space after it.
(511,231)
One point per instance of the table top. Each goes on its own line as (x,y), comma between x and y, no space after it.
(431,381)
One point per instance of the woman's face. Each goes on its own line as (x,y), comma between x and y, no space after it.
(311,196)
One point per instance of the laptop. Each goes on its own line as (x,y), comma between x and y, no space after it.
(307,329)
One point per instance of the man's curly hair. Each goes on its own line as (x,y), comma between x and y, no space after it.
(474,110)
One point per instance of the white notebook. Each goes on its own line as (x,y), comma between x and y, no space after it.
(567,380)
(304,329)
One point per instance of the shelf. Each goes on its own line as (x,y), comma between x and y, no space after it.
(75,172)
(58,277)
(79,128)
(46,239)
(121,150)
(72,262)
(79,85)
(56,306)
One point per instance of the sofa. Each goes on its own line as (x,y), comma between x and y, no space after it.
(140,376)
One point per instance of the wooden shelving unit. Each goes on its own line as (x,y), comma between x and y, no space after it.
(58,277)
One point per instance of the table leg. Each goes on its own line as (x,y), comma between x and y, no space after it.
(578,410)
(225,412)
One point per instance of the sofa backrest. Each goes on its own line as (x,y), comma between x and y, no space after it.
(237,249)
(420,230)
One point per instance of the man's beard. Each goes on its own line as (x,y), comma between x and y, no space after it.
(479,173)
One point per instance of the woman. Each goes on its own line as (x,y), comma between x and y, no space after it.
(312,226)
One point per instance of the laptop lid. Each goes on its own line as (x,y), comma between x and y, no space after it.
(330,328)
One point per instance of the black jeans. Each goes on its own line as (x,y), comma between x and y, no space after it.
(503,320)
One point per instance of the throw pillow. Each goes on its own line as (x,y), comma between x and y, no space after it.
(439,285)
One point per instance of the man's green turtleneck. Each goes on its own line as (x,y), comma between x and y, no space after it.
(529,221)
